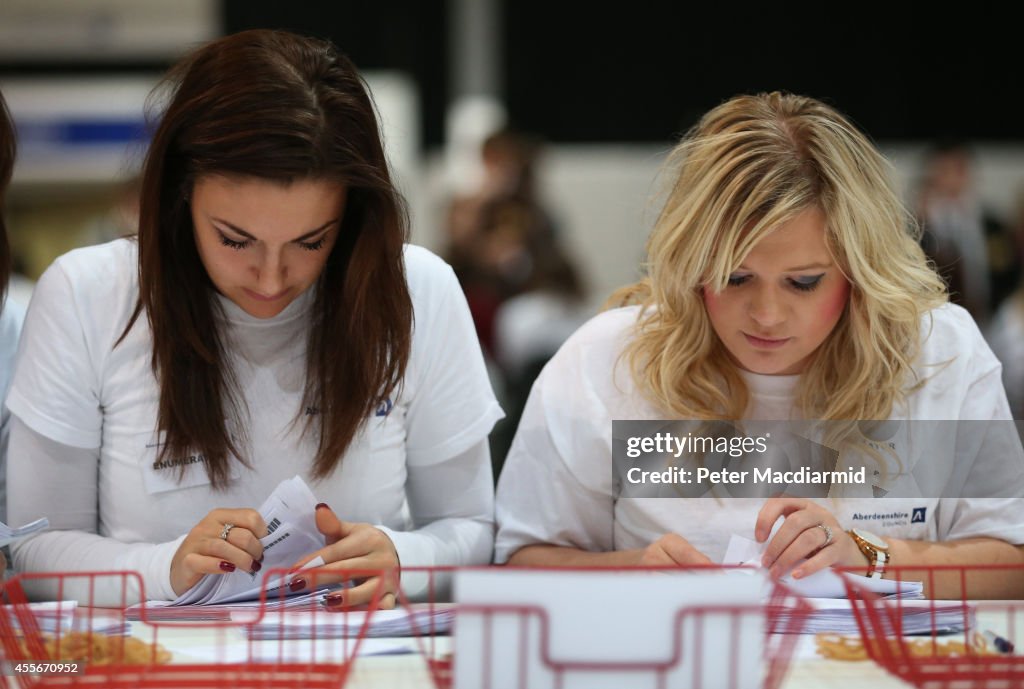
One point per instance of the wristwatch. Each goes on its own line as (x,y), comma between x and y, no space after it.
(875,550)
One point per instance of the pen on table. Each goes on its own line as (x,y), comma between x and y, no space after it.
(997,642)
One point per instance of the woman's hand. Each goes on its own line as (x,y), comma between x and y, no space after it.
(211,547)
(671,550)
(351,547)
(803,535)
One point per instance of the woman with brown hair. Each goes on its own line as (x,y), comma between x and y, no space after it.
(260,326)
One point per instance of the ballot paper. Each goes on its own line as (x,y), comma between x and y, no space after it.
(290,515)
(9,534)
(415,620)
(598,629)
(825,583)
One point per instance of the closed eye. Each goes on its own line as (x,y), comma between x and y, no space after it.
(314,246)
(735,280)
(806,283)
(231,243)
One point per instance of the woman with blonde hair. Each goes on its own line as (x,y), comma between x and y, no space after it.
(785,282)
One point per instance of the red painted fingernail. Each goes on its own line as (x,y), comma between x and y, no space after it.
(227,566)
(322,506)
(334,599)
(256,566)
(297,584)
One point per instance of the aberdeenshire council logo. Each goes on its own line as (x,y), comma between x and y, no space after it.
(879,516)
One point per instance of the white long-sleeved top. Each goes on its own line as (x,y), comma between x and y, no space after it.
(83,444)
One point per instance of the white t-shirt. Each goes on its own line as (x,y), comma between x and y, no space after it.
(556,485)
(73,386)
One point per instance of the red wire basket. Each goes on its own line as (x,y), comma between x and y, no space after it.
(260,651)
(69,644)
(781,617)
(965,643)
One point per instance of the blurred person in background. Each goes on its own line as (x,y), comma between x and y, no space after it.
(972,250)
(11,313)
(496,235)
(1006,333)
(523,287)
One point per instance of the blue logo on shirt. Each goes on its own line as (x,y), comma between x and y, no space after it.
(918,515)
(385,407)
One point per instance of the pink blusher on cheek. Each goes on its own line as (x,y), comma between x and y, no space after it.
(832,307)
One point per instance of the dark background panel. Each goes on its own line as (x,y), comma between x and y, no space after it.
(405,35)
(578,71)
(645,71)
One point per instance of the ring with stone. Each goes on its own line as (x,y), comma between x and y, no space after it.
(226,530)
(828,534)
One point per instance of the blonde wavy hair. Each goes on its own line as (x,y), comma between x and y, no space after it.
(749,166)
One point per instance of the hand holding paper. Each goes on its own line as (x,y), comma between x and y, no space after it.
(809,540)
(283,531)
(354,546)
(825,583)
(223,541)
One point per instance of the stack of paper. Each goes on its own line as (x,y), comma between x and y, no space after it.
(238,611)
(51,617)
(832,612)
(9,535)
(898,617)
(415,620)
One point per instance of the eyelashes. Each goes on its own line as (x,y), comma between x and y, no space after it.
(807,283)
(314,246)
(232,244)
(239,245)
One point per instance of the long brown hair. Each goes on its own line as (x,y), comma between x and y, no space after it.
(8,149)
(276,106)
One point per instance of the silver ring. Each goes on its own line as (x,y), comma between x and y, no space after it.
(828,535)
(226,530)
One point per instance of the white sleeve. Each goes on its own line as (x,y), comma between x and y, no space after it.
(49,479)
(451,402)
(540,499)
(452,506)
(56,386)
